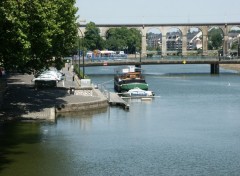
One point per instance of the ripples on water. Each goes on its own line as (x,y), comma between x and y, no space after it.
(192,128)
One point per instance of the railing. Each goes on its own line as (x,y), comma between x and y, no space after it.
(154,57)
(163,60)
(104,91)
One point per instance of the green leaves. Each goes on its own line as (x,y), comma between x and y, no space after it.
(92,39)
(123,39)
(215,39)
(34,32)
(117,39)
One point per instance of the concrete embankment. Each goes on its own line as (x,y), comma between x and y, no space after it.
(22,101)
(98,101)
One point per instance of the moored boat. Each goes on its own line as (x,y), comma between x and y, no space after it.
(137,92)
(129,78)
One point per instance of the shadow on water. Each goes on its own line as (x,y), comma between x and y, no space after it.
(18,140)
(12,135)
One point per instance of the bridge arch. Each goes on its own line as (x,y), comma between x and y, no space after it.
(81,31)
(216,40)
(234,41)
(154,41)
(174,41)
(194,40)
(103,32)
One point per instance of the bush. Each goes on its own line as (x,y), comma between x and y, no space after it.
(149,55)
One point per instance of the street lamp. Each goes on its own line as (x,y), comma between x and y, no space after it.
(82,44)
(79,51)
(79,54)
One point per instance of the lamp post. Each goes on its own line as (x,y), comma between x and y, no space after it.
(79,54)
(82,46)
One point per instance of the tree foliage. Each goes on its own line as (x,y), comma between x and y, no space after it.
(92,38)
(34,32)
(117,39)
(123,39)
(215,39)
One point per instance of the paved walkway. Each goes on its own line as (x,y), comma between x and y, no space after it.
(22,100)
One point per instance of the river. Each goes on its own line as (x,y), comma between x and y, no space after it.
(192,127)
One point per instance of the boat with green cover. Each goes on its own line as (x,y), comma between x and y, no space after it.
(129,78)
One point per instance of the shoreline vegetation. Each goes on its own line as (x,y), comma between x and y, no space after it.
(235,67)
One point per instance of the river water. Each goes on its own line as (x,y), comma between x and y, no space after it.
(192,127)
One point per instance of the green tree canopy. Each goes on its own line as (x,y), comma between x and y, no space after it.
(92,38)
(215,39)
(123,39)
(34,32)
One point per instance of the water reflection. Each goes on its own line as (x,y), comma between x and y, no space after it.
(13,135)
(84,118)
(82,114)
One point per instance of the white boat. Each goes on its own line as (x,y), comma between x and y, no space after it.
(45,77)
(45,80)
(137,92)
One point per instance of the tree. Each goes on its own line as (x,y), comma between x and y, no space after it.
(92,38)
(123,38)
(34,32)
(134,40)
(13,38)
(215,37)
(116,38)
(66,19)
(234,45)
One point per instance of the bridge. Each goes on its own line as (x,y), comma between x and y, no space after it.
(212,61)
(164,28)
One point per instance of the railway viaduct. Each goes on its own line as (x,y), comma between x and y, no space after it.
(164,28)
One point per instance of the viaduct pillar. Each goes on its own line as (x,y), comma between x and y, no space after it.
(144,42)
(144,45)
(205,40)
(164,40)
(164,44)
(184,41)
(225,40)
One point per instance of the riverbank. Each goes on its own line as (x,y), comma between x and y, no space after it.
(22,101)
(235,67)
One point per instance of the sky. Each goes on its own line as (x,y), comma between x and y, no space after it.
(158,11)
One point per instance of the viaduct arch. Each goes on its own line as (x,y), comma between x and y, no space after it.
(164,28)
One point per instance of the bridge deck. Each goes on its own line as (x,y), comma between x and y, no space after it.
(159,61)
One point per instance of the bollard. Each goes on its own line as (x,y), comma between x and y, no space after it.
(72,90)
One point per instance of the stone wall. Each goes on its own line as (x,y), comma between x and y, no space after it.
(101,102)
(81,106)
